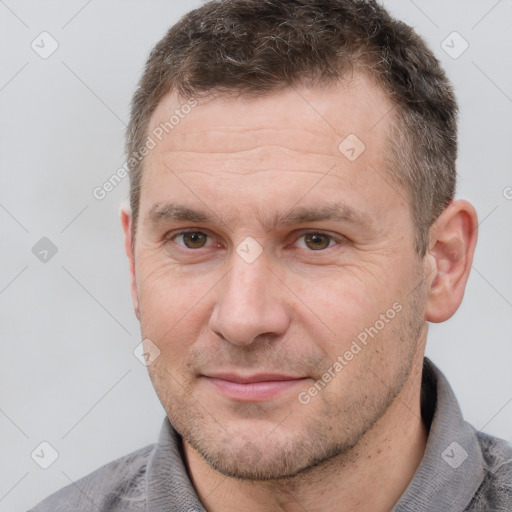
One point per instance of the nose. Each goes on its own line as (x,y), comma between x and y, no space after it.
(250,302)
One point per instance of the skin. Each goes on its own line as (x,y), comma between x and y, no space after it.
(298,306)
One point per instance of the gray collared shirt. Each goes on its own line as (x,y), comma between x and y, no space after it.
(462,470)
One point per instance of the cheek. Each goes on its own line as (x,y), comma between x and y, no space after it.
(173,309)
(165,292)
(339,307)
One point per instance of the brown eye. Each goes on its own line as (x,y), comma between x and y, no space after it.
(317,241)
(194,239)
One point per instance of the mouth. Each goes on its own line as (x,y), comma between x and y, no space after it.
(253,388)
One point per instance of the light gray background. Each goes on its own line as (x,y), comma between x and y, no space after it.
(68,374)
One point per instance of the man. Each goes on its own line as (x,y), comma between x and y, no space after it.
(292,229)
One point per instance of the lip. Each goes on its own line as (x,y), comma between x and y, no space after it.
(253,388)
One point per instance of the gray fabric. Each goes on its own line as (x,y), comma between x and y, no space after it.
(474,475)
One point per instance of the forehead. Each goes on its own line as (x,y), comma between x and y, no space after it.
(282,144)
(325,113)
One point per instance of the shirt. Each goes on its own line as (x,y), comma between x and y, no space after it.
(462,470)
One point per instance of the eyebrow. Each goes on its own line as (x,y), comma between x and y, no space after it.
(340,212)
(171,212)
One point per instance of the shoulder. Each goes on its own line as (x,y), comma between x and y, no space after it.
(495,492)
(117,486)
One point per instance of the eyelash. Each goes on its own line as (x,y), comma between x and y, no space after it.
(170,237)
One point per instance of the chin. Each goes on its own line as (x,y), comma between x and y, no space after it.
(264,458)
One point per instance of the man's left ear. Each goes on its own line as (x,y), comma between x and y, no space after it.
(450,255)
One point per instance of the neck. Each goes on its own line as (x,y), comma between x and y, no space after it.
(372,476)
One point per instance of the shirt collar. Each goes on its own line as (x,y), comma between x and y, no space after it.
(447,478)
(168,485)
(452,467)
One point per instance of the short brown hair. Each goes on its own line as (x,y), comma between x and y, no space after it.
(256,46)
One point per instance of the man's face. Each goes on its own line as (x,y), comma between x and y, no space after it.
(299,254)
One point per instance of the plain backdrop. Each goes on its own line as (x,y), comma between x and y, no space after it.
(68,373)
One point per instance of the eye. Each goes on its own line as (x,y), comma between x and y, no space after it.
(316,241)
(191,239)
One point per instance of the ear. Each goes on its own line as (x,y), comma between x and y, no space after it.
(129,247)
(452,245)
